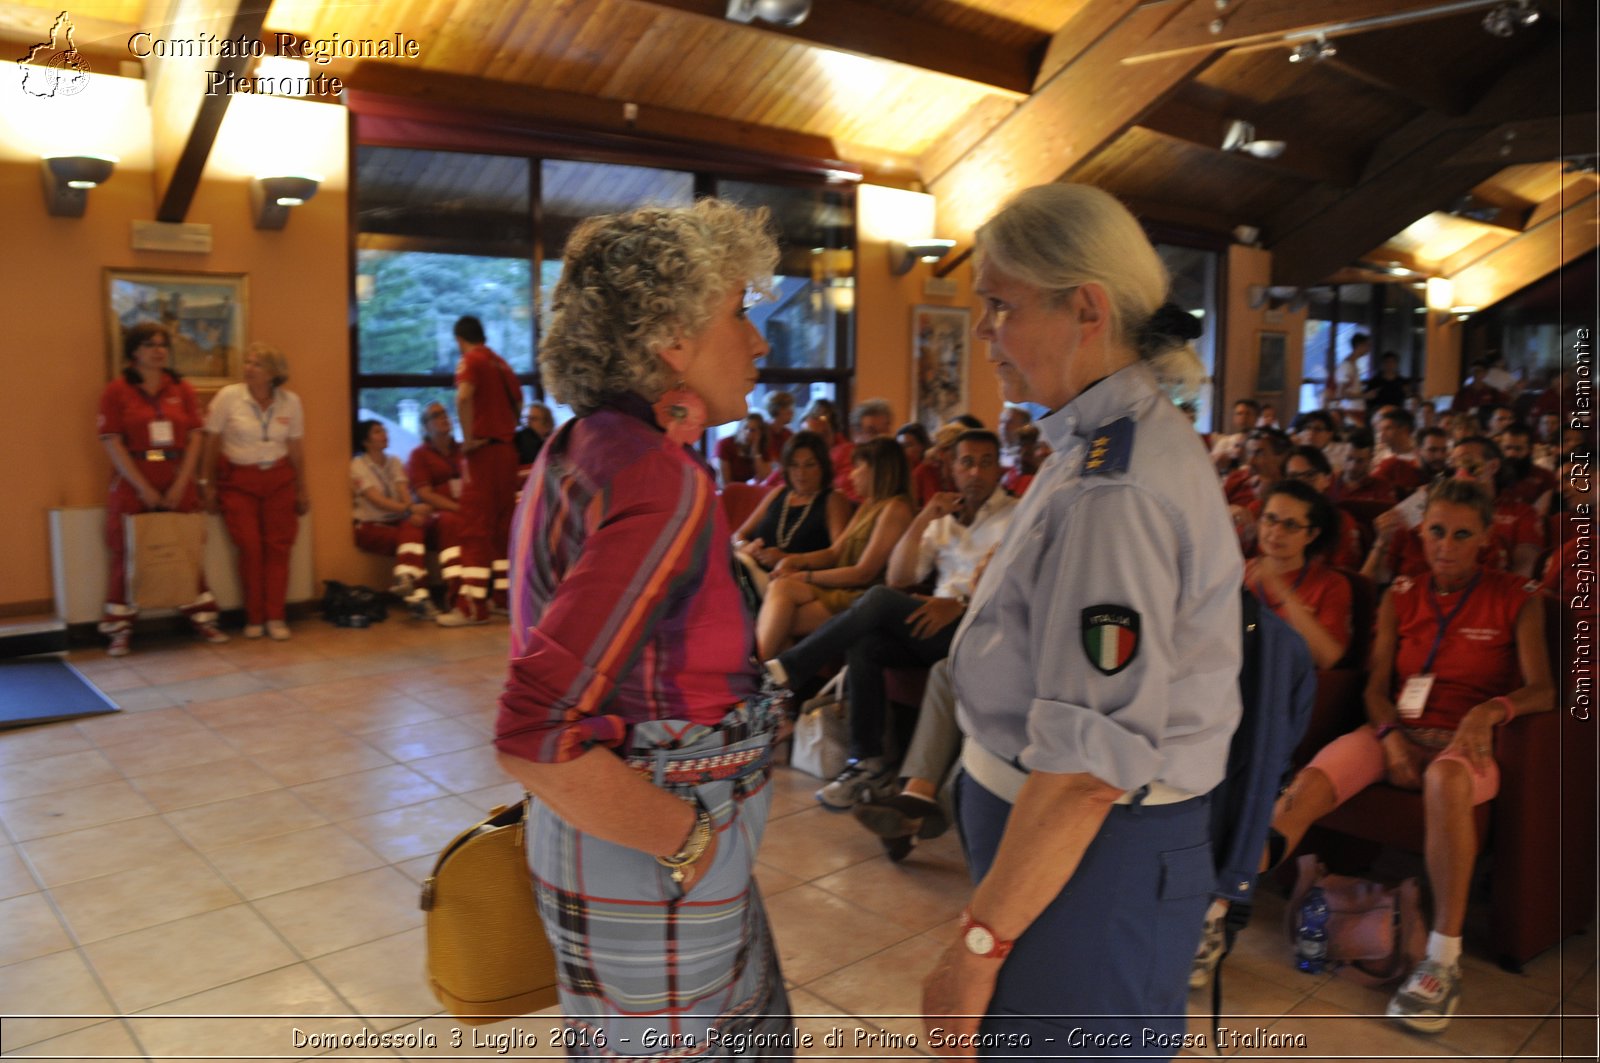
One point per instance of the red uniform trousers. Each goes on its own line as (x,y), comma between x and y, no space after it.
(259,508)
(403,541)
(488,498)
(444,538)
(121,503)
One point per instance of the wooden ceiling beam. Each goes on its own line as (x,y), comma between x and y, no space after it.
(879,33)
(1517,263)
(1253,22)
(1407,176)
(1375,61)
(1532,140)
(1303,158)
(1072,117)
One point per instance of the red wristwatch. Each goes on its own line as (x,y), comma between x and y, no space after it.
(981,941)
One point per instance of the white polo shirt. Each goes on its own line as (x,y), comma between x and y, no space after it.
(251,434)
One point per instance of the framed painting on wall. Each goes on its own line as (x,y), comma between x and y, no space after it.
(1271,351)
(941,340)
(203,312)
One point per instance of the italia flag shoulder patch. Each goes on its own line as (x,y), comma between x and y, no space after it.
(1110,637)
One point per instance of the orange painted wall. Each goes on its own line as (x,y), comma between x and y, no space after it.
(55,348)
(1249,266)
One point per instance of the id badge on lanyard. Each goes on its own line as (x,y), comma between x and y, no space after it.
(1414,695)
(161,435)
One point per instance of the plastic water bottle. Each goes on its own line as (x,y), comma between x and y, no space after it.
(1311,933)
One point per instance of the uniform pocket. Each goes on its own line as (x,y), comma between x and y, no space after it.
(1187,872)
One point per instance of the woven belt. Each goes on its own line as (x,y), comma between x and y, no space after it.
(701,769)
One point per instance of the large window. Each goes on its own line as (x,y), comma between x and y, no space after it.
(445,233)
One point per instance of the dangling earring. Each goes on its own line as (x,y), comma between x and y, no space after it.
(681,414)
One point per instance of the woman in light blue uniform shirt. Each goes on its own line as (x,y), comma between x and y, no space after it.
(1097,668)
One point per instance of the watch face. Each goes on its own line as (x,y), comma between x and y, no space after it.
(979,940)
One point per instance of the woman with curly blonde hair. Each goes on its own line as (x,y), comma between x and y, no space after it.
(632,712)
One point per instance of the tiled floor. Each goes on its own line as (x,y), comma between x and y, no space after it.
(247,837)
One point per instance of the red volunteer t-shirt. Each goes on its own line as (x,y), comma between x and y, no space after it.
(1323,590)
(127,410)
(496,394)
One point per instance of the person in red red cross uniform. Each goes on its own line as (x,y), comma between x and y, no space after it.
(149,424)
(434,471)
(488,399)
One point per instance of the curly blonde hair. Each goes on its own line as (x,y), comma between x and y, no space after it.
(634,283)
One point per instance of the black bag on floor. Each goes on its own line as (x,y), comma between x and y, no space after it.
(355,606)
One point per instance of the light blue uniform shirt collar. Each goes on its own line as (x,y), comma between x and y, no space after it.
(1110,398)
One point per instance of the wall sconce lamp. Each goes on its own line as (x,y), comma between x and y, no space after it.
(904,255)
(271,198)
(68,178)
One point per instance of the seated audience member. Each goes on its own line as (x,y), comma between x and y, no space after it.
(1476,392)
(925,807)
(890,627)
(869,420)
(742,457)
(808,588)
(967,420)
(780,414)
(1298,525)
(1398,459)
(1460,426)
(803,516)
(1573,517)
(1316,428)
(1458,651)
(1546,440)
(1031,452)
(1310,466)
(537,425)
(433,469)
(1356,482)
(387,520)
(1265,450)
(932,474)
(1012,420)
(1387,387)
(822,418)
(915,441)
(1227,448)
(1524,481)
(1496,419)
(1515,538)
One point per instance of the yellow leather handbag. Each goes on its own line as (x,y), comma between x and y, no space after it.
(488,957)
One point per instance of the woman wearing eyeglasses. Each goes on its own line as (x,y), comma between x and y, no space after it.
(1459,650)
(1297,527)
(1310,466)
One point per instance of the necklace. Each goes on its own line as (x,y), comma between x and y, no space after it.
(786,536)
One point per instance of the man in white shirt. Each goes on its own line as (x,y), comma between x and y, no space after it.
(890,627)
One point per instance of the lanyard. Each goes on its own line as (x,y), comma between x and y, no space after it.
(265,416)
(1305,570)
(1444,621)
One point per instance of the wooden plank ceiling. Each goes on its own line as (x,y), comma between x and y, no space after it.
(1397,147)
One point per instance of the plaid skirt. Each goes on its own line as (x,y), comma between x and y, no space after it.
(646,970)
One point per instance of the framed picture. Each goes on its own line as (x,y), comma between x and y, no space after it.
(1271,349)
(204,312)
(941,338)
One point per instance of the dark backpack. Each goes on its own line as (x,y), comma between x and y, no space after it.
(1277,687)
(355,606)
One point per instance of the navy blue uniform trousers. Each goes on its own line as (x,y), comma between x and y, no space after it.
(1104,971)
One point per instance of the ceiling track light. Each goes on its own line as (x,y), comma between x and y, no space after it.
(1315,50)
(1241,138)
(1506,19)
(777,12)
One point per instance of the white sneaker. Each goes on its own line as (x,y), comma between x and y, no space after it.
(456,618)
(423,609)
(1428,997)
(278,630)
(1209,954)
(254,631)
(860,781)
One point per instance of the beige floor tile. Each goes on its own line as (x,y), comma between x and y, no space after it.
(260,708)
(46,775)
(301,728)
(1584,997)
(213,688)
(1247,995)
(883,985)
(104,1040)
(266,866)
(295,998)
(816,1019)
(1332,1031)
(505,794)
(112,679)
(463,772)
(814,843)
(385,711)
(417,830)
(203,784)
(107,731)
(179,959)
(15,879)
(163,752)
(919,893)
(29,929)
(47,740)
(418,868)
(73,810)
(818,932)
(165,668)
(351,684)
(772,881)
(343,756)
(1562,1038)
(382,977)
(1498,1012)
(143,699)
(102,850)
(344,912)
(59,984)
(244,819)
(417,740)
(159,892)
(368,792)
